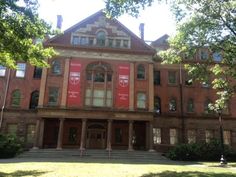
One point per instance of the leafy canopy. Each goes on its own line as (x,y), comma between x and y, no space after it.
(201,24)
(22,33)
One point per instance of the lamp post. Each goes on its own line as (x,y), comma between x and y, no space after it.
(222,158)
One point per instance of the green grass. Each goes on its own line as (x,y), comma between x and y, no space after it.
(112,168)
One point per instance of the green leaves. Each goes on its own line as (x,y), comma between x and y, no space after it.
(20,26)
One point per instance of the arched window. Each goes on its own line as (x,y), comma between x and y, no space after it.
(157,105)
(141,72)
(56,67)
(15,98)
(101,38)
(34,99)
(206,106)
(190,105)
(172,105)
(98,87)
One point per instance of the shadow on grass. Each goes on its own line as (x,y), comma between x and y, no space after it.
(188,174)
(20,173)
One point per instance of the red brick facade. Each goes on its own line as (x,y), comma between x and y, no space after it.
(98,121)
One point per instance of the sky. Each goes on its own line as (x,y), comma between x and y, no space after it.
(157,19)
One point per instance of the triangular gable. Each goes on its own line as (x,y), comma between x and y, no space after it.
(98,21)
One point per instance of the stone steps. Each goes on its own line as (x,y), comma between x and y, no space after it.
(92,154)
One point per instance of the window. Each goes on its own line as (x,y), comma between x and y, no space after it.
(172,105)
(75,40)
(125,43)
(141,72)
(110,42)
(157,105)
(209,135)
(204,54)
(118,135)
(227,137)
(191,136)
(34,99)
(83,40)
(173,136)
(97,95)
(206,84)
(30,133)
(118,43)
(206,106)
(157,78)
(20,71)
(217,56)
(91,39)
(12,129)
(156,135)
(172,77)
(2,70)
(56,67)
(37,72)
(188,80)
(53,96)
(15,98)
(101,38)
(141,100)
(190,105)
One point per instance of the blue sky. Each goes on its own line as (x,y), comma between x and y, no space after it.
(157,18)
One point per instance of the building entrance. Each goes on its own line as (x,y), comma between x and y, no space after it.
(96,136)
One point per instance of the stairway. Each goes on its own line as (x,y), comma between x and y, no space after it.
(93,154)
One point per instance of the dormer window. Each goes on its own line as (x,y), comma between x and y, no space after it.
(101,38)
(75,40)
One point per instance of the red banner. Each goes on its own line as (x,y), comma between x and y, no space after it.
(122,92)
(73,97)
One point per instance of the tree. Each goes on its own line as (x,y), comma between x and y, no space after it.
(22,33)
(209,24)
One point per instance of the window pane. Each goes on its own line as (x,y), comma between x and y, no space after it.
(141,100)
(141,72)
(157,78)
(227,137)
(20,71)
(172,77)
(53,96)
(75,40)
(125,43)
(83,41)
(190,105)
(56,67)
(203,55)
(156,135)
(217,56)
(118,42)
(157,105)
(30,133)
(172,105)
(209,135)
(2,70)
(16,98)
(110,42)
(34,99)
(101,38)
(191,136)
(37,72)
(173,136)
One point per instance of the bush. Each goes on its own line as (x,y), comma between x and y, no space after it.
(200,151)
(10,146)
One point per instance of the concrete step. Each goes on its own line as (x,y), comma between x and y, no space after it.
(96,154)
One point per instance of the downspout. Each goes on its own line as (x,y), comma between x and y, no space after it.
(181,103)
(5,97)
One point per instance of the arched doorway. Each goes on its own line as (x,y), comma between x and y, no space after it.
(96,136)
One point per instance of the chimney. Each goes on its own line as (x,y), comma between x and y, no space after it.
(141,30)
(59,21)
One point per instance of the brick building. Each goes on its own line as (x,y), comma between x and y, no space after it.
(105,91)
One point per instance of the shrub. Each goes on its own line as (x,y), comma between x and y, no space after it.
(10,145)
(200,151)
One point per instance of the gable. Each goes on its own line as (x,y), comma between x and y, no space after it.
(100,32)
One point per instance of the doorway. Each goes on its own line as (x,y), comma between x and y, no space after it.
(96,136)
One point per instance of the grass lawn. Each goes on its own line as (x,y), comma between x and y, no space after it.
(112,168)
